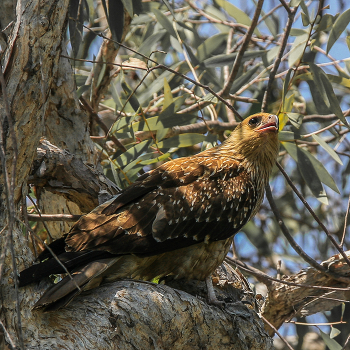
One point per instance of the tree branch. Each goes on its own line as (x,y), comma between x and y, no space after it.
(53,217)
(285,302)
(226,90)
(295,245)
(62,173)
(291,15)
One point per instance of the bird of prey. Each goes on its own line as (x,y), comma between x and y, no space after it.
(176,220)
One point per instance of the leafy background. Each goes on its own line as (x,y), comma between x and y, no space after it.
(165,99)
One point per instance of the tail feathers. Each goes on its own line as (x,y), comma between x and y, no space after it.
(87,277)
(56,246)
(70,260)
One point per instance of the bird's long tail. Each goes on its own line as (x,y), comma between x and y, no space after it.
(84,278)
(70,260)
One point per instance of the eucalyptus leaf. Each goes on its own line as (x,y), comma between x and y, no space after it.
(131,97)
(328,148)
(334,332)
(338,28)
(210,98)
(294,3)
(182,140)
(236,13)
(307,170)
(115,19)
(150,43)
(298,48)
(176,45)
(286,83)
(225,60)
(132,153)
(244,78)
(121,123)
(157,84)
(331,343)
(312,168)
(166,2)
(82,89)
(168,96)
(164,21)
(295,119)
(286,136)
(161,133)
(160,158)
(208,47)
(326,22)
(272,54)
(129,7)
(116,176)
(150,124)
(326,91)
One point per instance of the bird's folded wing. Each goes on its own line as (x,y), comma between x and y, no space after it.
(174,206)
(62,293)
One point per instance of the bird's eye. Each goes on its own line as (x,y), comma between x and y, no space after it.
(254,121)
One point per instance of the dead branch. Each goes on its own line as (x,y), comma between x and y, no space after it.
(287,301)
(62,173)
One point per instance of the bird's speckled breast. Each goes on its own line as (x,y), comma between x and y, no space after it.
(194,262)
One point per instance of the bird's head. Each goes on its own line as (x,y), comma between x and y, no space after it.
(255,138)
(260,128)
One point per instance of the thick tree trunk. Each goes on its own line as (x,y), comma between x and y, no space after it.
(39,88)
(30,64)
(122,315)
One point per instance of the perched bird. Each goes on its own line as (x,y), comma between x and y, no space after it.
(178,219)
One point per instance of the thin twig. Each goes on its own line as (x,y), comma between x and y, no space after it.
(307,206)
(54,256)
(317,324)
(295,245)
(226,90)
(326,298)
(285,5)
(25,217)
(161,66)
(346,342)
(268,14)
(103,126)
(345,222)
(39,212)
(284,39)
(320,130)
(8,336)
(53,217)
(276,331)
(263,277)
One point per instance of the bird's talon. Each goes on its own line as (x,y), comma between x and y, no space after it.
(220,304)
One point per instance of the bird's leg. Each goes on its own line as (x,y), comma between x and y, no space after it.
(212,299)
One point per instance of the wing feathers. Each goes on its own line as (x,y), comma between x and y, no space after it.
(69,287)
(51,266)
(169,200)
(181,203)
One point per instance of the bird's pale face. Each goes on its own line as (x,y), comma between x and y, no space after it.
(256,130)
(255,137)
(260,124)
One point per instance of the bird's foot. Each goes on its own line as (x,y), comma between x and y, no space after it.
(212,299)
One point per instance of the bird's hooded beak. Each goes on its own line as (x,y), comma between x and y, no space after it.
(271,125)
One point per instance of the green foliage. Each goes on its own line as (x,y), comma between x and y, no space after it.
(159,112)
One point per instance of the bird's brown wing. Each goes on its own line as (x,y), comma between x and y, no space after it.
(183,202)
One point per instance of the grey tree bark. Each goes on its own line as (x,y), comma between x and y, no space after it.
(39,91)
